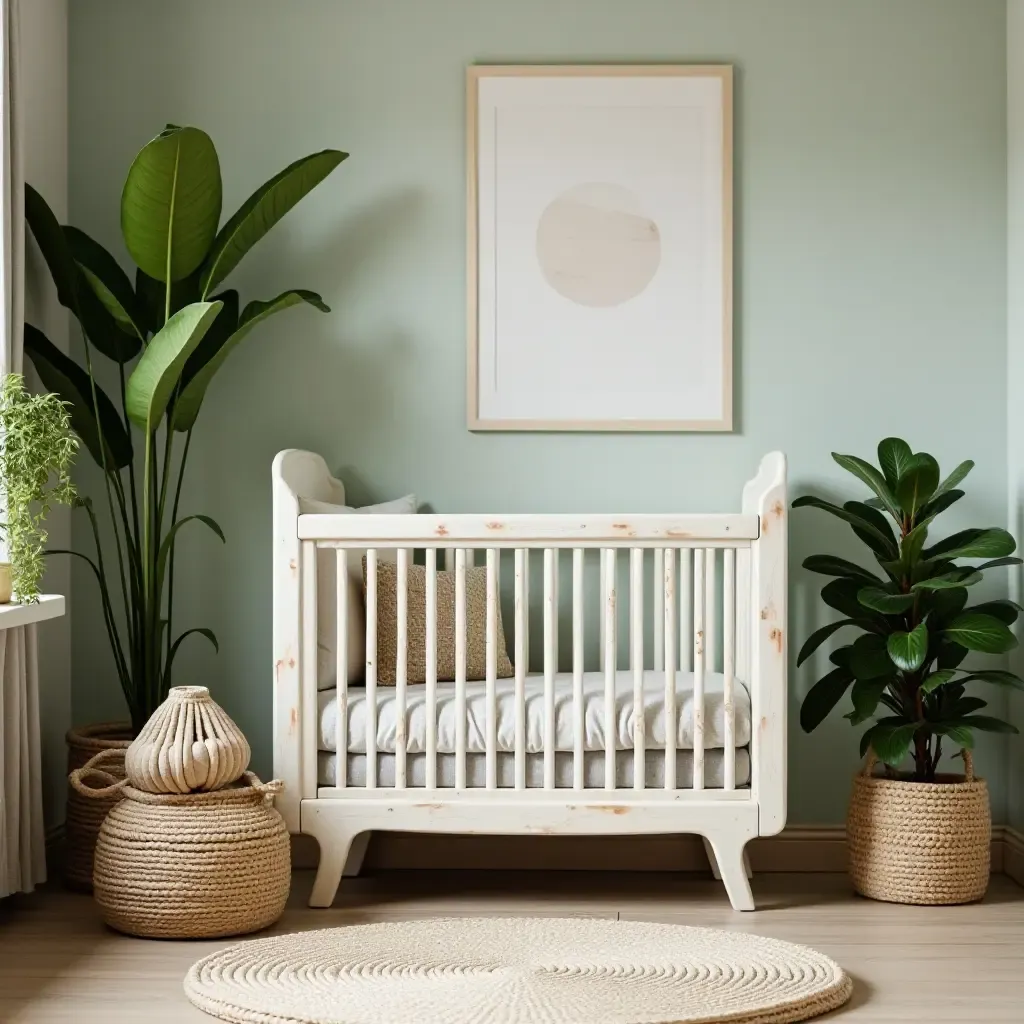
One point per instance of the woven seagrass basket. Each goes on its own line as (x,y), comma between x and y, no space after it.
(190,865)
(919,842)
(84,816)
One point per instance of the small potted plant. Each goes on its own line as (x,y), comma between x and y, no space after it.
(37,448)
(915,836)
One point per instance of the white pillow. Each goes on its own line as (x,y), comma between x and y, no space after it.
(326,593)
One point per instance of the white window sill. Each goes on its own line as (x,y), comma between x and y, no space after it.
(50,606)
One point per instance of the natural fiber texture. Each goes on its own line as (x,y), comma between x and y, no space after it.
(189,743)
(196,865)
(84,816)
(916,842)
(517,971)
(416,624)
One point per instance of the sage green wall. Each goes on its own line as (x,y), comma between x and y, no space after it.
(870,272)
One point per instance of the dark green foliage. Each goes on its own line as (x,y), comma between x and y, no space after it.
(916,627)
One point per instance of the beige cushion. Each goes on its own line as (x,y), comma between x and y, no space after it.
(327,595)
(416,621)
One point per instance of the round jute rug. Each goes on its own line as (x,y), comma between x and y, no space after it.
(517,971)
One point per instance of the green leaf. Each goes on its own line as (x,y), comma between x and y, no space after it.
(950,655)
(879,600)
(222,328)
(187,407)
(940,503)
(168,541)
(64,377)
(944,604)
(959,734)
(965,577)
(937,679)
(997,677)
(262,210)
(153,380)
(917,483)
(908,650)
(955,477)
(979,632)
(867,473)
(818,637)
(894,455)
(822,697)
(869,658)
(985,723)
(993,542)
(912,545)
(997,563)
(202,631)
(866,694)
(858,521)
(152,295)
(829,565)
(1002,609)
(108,281)
(841,656)
(842,594)
(170,206)
(891,742)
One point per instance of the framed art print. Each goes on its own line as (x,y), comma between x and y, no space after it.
(600,247)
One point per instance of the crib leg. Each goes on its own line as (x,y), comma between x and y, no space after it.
(716,874)
(356,853)
(728,852)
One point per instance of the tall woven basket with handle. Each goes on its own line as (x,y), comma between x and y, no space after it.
(920,842)
(188,865)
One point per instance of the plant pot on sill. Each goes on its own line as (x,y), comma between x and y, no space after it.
(920,842)
(84,816)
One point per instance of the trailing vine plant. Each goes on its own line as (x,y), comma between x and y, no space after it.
(37,449)
(904,670)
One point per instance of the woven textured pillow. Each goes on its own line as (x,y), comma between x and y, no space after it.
(416,623)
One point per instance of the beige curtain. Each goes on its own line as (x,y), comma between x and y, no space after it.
(22,838)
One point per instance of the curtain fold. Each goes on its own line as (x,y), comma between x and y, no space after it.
(22,836)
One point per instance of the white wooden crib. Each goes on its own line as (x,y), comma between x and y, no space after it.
(689,737)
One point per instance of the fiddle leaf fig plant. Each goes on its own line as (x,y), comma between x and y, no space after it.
(37,449)
(904,671)
(161,332)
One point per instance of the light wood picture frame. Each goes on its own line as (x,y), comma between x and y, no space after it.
(599,247)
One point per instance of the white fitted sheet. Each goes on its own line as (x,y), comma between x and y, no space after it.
(593,718)
(593,770)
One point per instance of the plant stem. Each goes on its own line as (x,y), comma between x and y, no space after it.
(170,568)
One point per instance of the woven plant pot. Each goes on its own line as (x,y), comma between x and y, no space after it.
(920,842)
(190,865)
(83,816)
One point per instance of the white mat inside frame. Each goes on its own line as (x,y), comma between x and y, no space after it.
(517,971)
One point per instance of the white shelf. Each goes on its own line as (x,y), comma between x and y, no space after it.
(50,606)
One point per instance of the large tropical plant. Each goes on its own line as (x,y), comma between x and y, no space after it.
(167,333)
(905,670)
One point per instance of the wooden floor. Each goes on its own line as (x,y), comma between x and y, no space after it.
(59,964)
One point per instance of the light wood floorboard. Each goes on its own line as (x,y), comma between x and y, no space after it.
(59,965)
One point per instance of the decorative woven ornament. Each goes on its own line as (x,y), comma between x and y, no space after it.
(189,744)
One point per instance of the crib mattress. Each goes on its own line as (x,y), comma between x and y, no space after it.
(593,770)
(593,715)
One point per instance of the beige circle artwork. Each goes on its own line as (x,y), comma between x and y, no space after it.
(596,246)
(517,971)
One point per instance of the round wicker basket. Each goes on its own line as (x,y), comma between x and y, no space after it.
(84,817)
(190,865)
(916,842)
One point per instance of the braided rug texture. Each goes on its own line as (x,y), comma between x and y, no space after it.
(517,971)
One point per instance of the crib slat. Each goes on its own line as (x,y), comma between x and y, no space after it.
(710,610)
(526,610)
(549,668)
(658,580)
(401,667)
(636,646)
(304,720)
(431,668)
(341,670)
(743,613)
(521,614)
(669,613)
(577,668)
(460,668)
(602,618)
(729,663)
(699,628)
(491,658)
(685,588)
(556,555)
(371,668)
(608,618)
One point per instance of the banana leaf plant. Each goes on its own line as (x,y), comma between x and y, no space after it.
(904,669)
(163,335)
